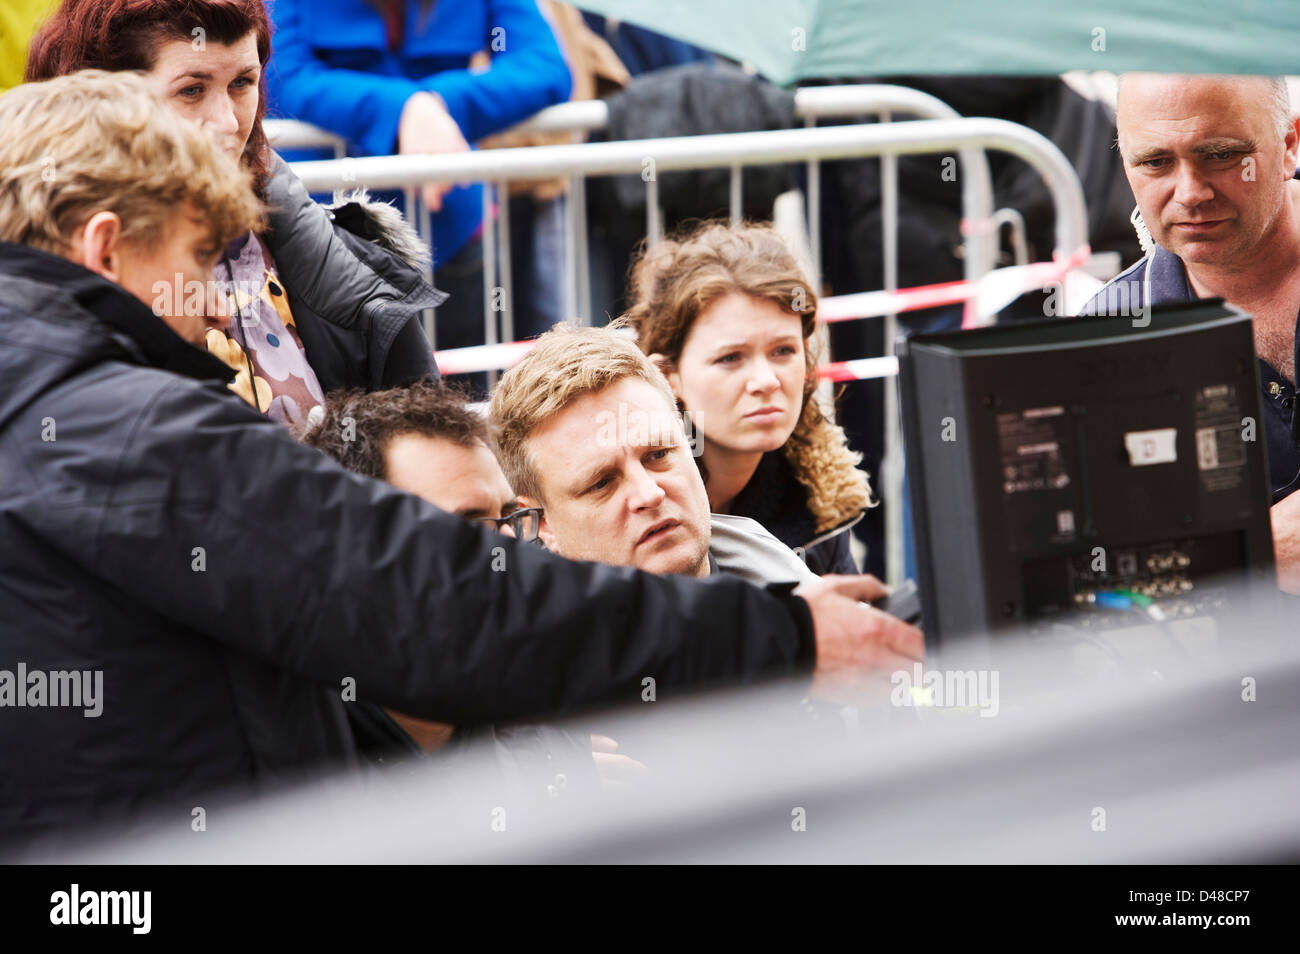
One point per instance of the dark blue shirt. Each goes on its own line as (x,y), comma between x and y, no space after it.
(1166,277)
(775,498)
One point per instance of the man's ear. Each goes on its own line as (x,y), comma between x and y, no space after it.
(98,246)
(1291,145)
(547,537)
(669,371)
(544,532)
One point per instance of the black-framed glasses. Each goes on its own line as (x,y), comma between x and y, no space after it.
(523,524)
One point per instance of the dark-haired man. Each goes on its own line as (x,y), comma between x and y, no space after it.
(428,440)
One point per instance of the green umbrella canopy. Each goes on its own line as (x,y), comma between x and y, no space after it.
(792,40)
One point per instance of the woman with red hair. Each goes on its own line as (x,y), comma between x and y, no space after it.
(315,306)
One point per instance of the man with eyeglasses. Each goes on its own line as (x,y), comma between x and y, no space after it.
(428,441)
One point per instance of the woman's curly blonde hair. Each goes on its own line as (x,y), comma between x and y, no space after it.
(675,281)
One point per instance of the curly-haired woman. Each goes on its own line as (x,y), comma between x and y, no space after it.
(728,315)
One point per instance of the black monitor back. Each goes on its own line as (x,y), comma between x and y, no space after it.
(1053,461)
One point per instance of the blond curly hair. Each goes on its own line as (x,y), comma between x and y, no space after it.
(96,141)
(675,281)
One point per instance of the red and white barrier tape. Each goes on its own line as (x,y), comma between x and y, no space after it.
(989,294)
(861,369)
(493,357)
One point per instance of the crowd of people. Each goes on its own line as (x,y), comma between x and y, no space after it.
(285,543)
(239,589)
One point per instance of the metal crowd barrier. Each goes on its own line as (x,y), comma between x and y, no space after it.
(812,145)
(811,105)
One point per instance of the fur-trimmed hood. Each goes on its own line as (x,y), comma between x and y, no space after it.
(381,223)
(301,238)
(354,274)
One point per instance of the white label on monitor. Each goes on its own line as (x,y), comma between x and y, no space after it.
(1152,447)
(1207,448)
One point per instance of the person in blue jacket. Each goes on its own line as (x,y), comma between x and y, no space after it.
(394,77)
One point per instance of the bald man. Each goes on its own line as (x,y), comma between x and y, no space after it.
(1212,163)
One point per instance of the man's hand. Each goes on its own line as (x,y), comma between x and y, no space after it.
(858,646)
(427,128)
(616,771)
(1286,542)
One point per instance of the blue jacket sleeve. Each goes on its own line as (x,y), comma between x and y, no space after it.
(528,73)
(364,108)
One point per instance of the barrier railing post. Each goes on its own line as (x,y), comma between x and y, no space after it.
(424,228)
(737,195)
(654,222)
(578,202)
(418,213)
(814,176)
(506,284)
(489,246)
(573,237)
(891,462)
